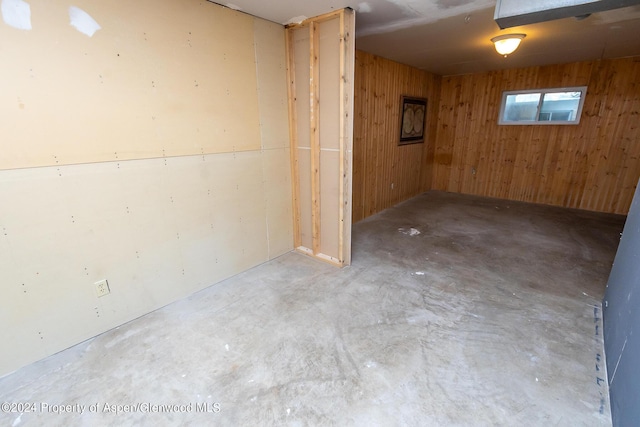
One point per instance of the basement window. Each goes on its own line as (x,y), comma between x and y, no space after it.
(556,106)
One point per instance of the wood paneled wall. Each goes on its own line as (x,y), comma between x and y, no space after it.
(594,165)
(384,173)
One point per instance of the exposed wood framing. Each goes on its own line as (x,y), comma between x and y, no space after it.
(343,180)
(293,138)
(314,122)
(323,216)
(347,59)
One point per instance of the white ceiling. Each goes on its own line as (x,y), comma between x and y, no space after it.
(449,37)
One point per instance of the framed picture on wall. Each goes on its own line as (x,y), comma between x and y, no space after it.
(413,114)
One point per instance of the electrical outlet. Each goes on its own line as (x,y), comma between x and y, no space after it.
(102,288)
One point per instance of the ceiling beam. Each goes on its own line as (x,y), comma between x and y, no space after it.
(513,13)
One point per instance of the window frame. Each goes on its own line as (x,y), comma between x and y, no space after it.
(542,92)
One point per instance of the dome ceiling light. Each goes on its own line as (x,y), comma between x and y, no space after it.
(506,44)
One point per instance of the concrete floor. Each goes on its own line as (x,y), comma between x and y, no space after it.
(457,310)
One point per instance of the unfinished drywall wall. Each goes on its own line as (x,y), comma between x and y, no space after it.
(153,154)
(153,76)
(621,320)
(592,166)
(321,57)
(384,173)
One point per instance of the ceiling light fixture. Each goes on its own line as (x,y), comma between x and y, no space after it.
(507,43)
